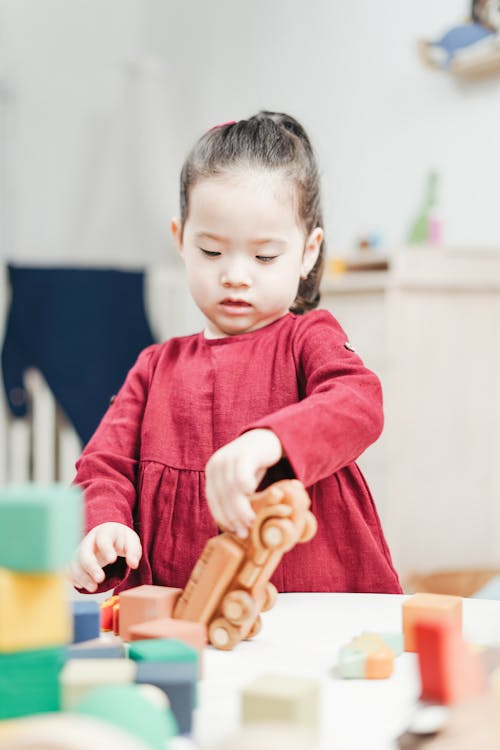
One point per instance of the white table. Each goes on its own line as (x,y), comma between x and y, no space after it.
(301,636)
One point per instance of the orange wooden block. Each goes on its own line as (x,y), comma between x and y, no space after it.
(145,603)
(437,607)
(450,671)
(107,613)
(379,664)
(116,618)
(193,633)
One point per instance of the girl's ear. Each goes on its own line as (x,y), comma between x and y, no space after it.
(176,229)
(311,251)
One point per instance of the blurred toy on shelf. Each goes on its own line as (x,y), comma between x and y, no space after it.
(468,50)
(427,226)
(367,255)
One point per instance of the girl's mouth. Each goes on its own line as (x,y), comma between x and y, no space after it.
(235,306)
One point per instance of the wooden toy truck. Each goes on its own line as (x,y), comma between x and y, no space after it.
(229,585)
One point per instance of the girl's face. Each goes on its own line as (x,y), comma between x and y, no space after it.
(244,249)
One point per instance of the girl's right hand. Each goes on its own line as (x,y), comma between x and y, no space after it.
(102,546)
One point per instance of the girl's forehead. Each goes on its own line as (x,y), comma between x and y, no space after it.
(258,193)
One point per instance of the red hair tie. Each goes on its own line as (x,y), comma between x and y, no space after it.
(222,124)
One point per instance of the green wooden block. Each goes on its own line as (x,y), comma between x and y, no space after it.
(395,641)
(29,682)
(162,649)
(127,707)
(40,526)
(351,663)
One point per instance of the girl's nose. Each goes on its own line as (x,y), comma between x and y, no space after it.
(235,277)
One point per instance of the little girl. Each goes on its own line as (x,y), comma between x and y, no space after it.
(270,389)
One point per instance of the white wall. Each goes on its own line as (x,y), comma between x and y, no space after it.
(83,183)
(378,118)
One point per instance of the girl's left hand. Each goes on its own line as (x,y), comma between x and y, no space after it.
(234,472)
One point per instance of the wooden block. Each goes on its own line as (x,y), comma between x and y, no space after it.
(116,618)
(193,633)
(107,613)
(178,680)
(350,663)
(80,675)
(163,650)
(86,620)
(128,707)
(33,611)
(426,607)
(29,681)
(450,671)
(282,698)
(40,526)
(96,649)
(67,731)
(145,603)
(367,656)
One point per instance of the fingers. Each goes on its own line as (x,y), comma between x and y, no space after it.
(100,547)
(80,579)
(127,545)
(229,481)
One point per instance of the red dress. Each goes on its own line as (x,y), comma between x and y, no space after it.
(187,397)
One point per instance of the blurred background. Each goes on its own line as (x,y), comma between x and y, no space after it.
(100,101)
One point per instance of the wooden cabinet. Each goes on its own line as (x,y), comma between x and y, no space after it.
(432,333)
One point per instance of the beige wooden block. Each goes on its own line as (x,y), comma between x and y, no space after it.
(282,698)
(80,675)
(429,607)
(33,611)
(66,731)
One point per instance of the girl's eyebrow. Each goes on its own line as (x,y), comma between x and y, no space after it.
(259,241)
(210,236)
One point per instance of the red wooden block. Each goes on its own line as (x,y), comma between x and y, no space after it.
(450,671)
(107,613)
(193,633)
(116,618)
(145,603)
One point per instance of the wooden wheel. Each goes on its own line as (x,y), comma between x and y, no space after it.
(256,628)
(310,527)
(238,606)
(270,600)
(222,634)
(277,533)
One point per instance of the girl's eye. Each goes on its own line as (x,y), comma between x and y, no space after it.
(210,253)
(266,258)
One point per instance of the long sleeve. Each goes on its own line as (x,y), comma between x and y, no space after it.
(340,412)
(107,468)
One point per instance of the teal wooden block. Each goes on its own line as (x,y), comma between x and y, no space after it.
(395,641)
(40,526)
(29,682)
(162,649)
(351,663)
(128,708)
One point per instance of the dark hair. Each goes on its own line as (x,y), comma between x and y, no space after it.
(273,141)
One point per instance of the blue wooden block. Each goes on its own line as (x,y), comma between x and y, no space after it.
(96,649)
(178,681)
(86,620)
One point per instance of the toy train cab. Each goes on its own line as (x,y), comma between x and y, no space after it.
(229,585)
